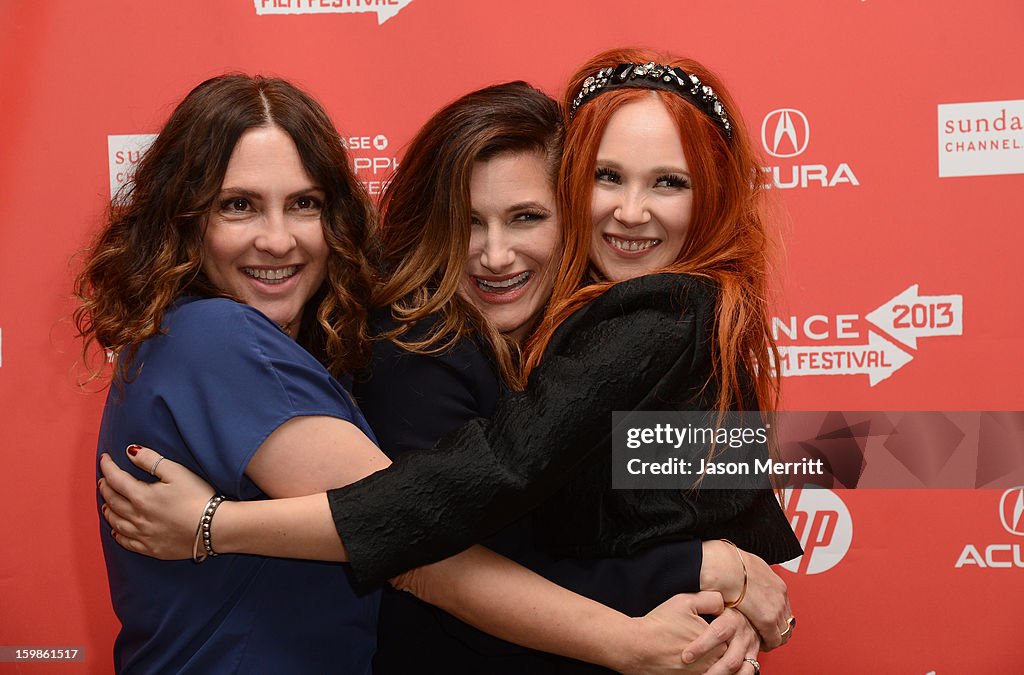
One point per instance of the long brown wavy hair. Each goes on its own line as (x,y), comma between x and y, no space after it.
(150,252)
(426,211)
(730,239)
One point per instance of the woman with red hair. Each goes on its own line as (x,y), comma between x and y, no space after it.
(660,304)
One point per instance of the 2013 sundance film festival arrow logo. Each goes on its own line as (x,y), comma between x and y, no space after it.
(910,316)
(385,9)
(896,325)
(878,359)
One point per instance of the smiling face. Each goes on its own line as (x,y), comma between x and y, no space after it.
(642,201)
(513,243)
(264,242)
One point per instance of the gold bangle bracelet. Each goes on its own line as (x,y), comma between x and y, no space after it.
(743,566)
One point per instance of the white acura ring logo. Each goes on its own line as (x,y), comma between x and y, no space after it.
(785,132)
(1011,510)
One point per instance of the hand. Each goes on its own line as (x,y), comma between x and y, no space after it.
(155,519)
(766,602)
(666,629)
(730,628)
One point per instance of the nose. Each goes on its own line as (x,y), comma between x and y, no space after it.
(497,255)
(632,208)
(275,236)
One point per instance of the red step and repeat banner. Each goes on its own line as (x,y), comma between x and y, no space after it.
(893,132)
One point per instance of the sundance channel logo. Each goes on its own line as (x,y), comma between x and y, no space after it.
(385,9)
(123,154)
(981,139)
(785,135)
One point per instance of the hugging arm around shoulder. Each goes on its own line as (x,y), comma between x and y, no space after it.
(613,354)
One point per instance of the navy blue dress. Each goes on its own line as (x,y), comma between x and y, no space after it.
(412,400)
(210,389)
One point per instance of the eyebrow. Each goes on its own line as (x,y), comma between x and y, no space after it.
(656,170)
(528,205)
(519,206)
(243,192)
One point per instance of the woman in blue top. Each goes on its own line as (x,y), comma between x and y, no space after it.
(241,245)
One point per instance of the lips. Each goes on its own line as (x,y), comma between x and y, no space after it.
(272,275)
(501,289)
(630,247)
(503,285)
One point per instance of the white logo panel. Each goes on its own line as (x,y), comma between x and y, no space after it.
(981,139)
(123,154)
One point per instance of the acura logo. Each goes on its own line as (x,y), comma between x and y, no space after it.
(785,132)
(1011,510)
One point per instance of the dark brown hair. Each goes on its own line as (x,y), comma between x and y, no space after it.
(730,237)
(426,210)
(150,252)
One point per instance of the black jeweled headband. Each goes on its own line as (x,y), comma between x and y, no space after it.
(654,76)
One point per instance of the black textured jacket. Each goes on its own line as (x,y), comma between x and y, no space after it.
(643,345)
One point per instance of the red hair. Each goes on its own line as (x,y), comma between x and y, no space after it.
(728,241)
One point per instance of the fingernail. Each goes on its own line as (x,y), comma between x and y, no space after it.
(134,449)
(687,657)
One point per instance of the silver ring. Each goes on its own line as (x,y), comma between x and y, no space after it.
(155,465)
(757,666)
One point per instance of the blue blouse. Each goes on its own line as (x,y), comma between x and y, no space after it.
(207,392)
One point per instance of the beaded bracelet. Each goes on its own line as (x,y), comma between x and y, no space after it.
(203,530)
(743,565)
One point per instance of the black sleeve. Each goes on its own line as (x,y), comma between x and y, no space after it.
(430,505)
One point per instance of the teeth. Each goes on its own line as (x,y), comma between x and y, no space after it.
(631,244)
(275,276)
(502,285)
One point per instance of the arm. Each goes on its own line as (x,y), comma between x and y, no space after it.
(762,594)
(576,629)
(480,587)
(488,473)
(413,399)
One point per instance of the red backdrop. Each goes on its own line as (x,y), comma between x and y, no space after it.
(901,285)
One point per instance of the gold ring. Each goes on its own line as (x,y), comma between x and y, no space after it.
(790,625)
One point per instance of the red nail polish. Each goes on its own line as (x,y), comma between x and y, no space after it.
(134,449)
